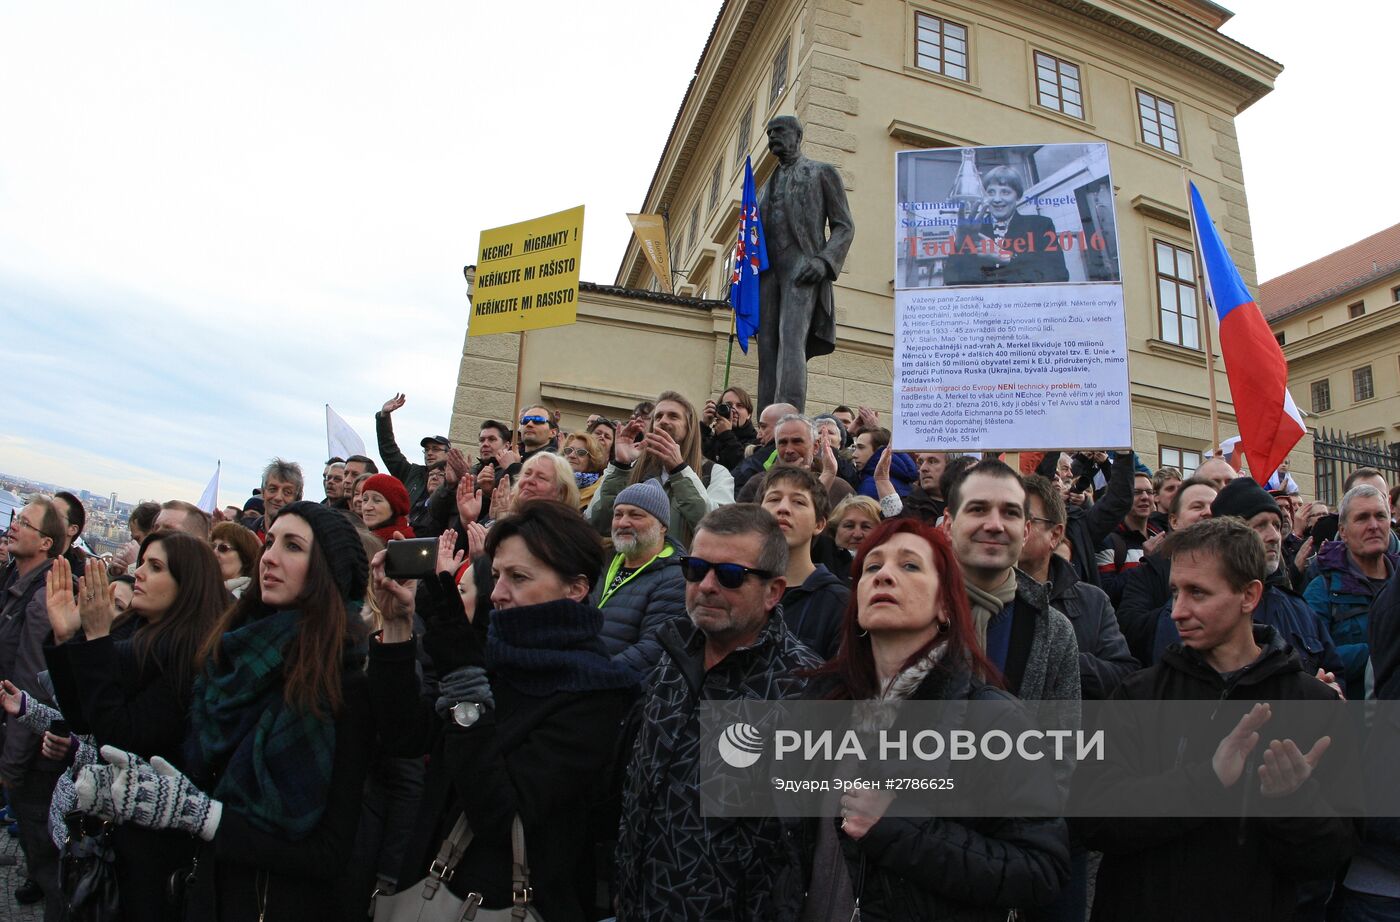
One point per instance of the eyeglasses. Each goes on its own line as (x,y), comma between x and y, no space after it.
(575,452)
(19,521)
(537,420)
(730,575)
(222,548)
(1046,522)
(1147,492)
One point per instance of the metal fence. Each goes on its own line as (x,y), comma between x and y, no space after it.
(1337,454)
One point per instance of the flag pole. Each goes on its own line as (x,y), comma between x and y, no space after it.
(729,356)
(1210,309)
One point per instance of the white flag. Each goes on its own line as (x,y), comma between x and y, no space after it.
(210,500)
(341,440)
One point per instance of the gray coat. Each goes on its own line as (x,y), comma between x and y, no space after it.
(636,611)
(1103,652)
(24,627)
(1052,669)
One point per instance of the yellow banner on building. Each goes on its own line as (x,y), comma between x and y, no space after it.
(651,234)
(527,275)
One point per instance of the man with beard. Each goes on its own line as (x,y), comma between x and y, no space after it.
(669,451)
(641,588)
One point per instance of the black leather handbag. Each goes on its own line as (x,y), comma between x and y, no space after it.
(87,871)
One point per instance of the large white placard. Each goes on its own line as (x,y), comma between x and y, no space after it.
(1009,325)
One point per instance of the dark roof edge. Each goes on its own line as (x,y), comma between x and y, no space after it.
(1336,291)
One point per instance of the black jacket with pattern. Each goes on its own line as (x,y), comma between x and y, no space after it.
(673,863)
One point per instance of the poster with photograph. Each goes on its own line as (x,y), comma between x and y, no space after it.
(1009,329)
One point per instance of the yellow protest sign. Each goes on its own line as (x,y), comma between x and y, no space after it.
(527,275)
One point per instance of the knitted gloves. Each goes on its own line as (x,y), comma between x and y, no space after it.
(34,714)
(468,684)
(151,794)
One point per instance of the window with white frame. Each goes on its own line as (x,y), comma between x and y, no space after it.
(1057,85)
(1176,295)
(1185,460)
(940,46)
(1158,120)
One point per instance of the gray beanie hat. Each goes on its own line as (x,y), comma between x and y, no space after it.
(649,496)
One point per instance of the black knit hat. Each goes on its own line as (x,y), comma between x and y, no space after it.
(335,534)
(1243,498)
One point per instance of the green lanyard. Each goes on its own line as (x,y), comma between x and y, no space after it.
(616,565)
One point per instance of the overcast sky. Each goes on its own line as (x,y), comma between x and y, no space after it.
(215,218)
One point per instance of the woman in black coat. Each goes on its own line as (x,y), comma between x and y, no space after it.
(134,693)
(279,736)
(908,635)
(528,721)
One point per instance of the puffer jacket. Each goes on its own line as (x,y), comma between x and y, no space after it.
(636,610)
(963,869)
(1342,596)
(904,474)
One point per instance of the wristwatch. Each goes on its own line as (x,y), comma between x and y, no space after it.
(466,713)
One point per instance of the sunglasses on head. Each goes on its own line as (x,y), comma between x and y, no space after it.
(537,420)
(730,575)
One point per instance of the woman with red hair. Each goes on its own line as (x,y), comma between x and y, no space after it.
(908,635)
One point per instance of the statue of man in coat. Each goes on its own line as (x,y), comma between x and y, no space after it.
(801,200)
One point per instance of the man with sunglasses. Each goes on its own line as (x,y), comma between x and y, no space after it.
(671,862)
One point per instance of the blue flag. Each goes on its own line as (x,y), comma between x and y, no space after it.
(750,258)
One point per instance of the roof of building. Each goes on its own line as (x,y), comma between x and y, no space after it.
(660,297)
(1333,275)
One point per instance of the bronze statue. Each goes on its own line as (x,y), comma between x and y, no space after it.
(797,314)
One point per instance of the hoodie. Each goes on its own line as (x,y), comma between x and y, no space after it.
(813,611)
(904,474)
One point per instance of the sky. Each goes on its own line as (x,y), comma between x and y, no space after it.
(215,218)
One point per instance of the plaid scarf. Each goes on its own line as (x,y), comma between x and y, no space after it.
(274,763)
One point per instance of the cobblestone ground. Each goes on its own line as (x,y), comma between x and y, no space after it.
(11,864)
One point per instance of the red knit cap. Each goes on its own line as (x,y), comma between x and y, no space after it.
(392,489)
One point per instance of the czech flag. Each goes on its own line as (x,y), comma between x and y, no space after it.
(750,258)
(1270,424)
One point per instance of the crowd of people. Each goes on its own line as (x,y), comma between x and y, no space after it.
(268,717)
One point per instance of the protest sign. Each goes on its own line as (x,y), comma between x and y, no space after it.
(527,275)
(1009,326)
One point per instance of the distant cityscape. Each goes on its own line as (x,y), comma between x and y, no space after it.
(106,529)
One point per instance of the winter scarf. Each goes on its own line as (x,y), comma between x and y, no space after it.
(987,605)
(553,647)
(274,762)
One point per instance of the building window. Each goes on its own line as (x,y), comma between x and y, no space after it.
(1278,338)
(1321,395)
(940,46)
(741,148)
(693,236)
(780,71)
(1158,120)
(714,189)
(1183,459)
(1176,294)
(1362,387)
(1356,310)
(1057,85)
(1395,293)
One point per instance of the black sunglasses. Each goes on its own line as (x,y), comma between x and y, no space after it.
(730,575)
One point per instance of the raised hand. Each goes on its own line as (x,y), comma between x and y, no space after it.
(476,540)
(96,600)
(458,466)
(506,457)
(486,480)
(394,599)
(469,498)
(883,485)
(1285,768)
(448,557)
(708,415)
(503,500)
(1330,680)
(1229,759)
(393,403)
(828,474)
(11,698)
(1300,559)
(62,607)
(660,443)
(624,448)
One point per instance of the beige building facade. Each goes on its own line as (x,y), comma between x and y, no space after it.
(1338,320)
(1154,79)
